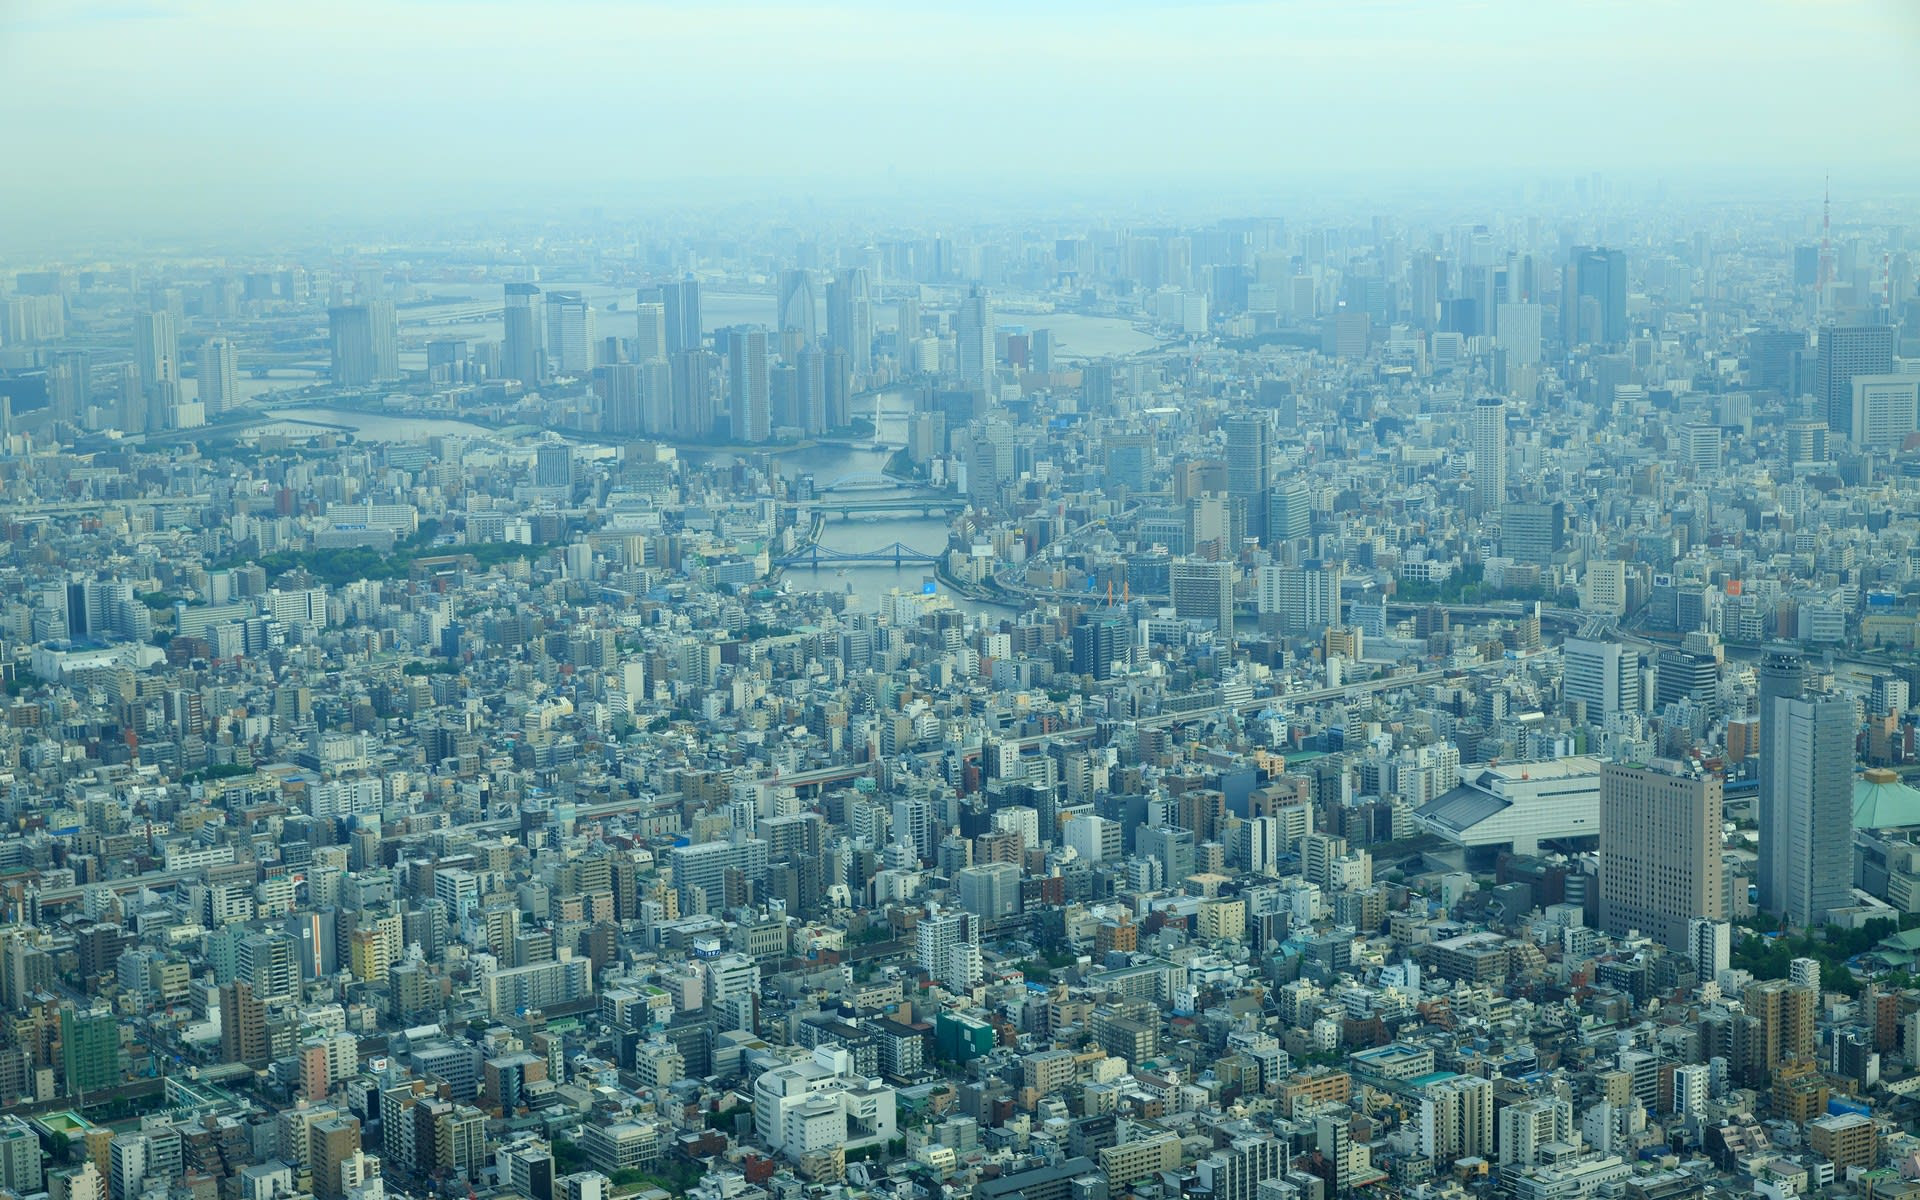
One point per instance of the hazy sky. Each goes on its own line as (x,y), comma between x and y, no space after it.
(203,113)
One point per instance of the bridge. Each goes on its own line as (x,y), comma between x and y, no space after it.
(816,555)
(873,481)
(925,505)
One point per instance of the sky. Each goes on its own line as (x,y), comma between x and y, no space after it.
(150,116)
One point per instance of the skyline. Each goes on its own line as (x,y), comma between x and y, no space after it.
(197,116)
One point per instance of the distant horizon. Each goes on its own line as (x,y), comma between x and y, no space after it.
(216,117)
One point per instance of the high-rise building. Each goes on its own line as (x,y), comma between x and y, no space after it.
(1605,676)
(650,330)
(270,964)
(89,1050)
(749,401)
(1782,676)
(335,1141)
(1097,642)
(1810,753)
(1203,591)
(1533,531)
(1710,943)
(570,333)
(1886,408)
(681,303)
(694,395)
(1593,297)
(520,351)
(989,891)
(243,1026)
(1489,454)
(1846,352)
(219,376)
(384,326)
(350,344)
(973,340)
(947,945)
(1250,470)
(156,348)
(1527,1125)
(850,318)
(1289,511)
(1660,863)
(798,314)
(1456,1118)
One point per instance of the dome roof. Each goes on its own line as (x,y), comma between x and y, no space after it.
(1881,801)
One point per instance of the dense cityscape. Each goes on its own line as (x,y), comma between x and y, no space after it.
(1304,701)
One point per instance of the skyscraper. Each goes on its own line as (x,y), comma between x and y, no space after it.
(850,318)
(156,348)
(1489,454)
(1811,756)
(384,328)
(1096,643)
(681,303)
(350,344)
(1886,408)
(973,339)
(1593,297)
(570,329)
(1847,351)
(1660,865)
(1250,470)
(650,330)
(1783,675)
(749,399)
(799,314)
(219,376)
(520,352)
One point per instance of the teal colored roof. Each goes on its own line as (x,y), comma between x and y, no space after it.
(1881,801)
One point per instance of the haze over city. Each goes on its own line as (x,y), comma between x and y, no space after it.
(1065,601)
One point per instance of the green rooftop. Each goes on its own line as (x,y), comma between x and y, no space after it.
(1881,801)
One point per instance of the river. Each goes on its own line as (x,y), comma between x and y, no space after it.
(866,583)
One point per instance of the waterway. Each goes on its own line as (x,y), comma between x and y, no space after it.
(866,584)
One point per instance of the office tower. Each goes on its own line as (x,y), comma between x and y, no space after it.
(749,402)
(350,343)
(1660,834)
(908,331)
(1776,360)
(1299,600)
(156,348)
(1848,351)
(798,314)
(219,376)
(1040,352)
(1289,511)
(1593,298)
(1489,454)
(973,340)
(1533,531)
(989,891)
(520,350)
(1203,591)
(681,303)
(1518,333)
(810,385)
(1604,676)
(650,330)
(850,318)
(89,1050)
(1811,756)
(1173,847)
(1097,643)
(570,333)
(1782,676)
(1250,470)
(552,468)
(1886,408)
